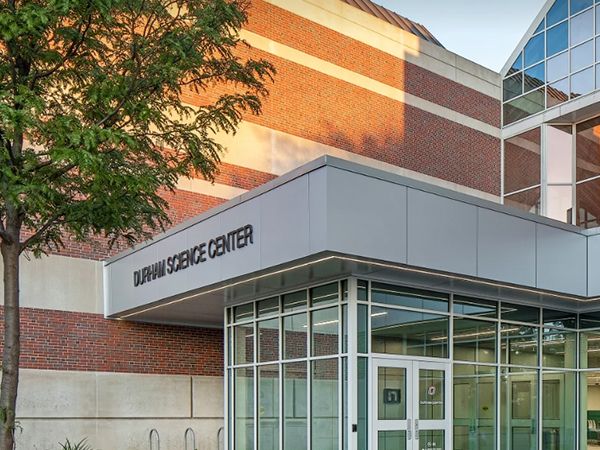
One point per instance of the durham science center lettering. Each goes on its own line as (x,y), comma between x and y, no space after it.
(198,254)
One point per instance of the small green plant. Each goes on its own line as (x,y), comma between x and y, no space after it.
(81,445)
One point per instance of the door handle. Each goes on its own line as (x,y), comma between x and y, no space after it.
(409,429)
(416,429)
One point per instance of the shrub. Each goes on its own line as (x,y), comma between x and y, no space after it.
(81,445)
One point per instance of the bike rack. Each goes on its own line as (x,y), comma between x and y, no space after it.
(219,438)
(189,432)
(154,433)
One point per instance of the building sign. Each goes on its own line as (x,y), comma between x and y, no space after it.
(391,396)
(196,255)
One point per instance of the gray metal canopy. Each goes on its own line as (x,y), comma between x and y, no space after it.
(331,218)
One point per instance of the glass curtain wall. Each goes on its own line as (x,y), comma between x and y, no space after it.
(558,63)
(288,371)
(514,367)
(559,172)
(589,384)
(517,380)
(539,176)
(522,171)
(588,173)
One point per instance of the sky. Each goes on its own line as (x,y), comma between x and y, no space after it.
(484,31)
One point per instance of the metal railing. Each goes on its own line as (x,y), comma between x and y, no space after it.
(154,443)
(187,436)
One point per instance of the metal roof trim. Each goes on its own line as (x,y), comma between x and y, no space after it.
(395,19)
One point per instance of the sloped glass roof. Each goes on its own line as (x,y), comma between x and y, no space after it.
(558,63)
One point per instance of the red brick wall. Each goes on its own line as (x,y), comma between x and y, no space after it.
(355,119)
(304,103)
(308,104)
(61,340)
(183,205)
(241,177)
(287,28)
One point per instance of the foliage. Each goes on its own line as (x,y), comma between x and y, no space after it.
(81,445)
(93,128)
(92,125)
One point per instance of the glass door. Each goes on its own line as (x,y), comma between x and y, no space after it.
(432,423)
(474,403)
(411,407)
(519,410)
(392,405)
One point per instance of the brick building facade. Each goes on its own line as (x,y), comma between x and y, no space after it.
(349,84)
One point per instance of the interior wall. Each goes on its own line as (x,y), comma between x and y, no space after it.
(594,398)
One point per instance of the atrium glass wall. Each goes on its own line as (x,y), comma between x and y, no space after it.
(456,372)
(513,366)
(559,172)
(551,168)
(522,171)
(288,371)
(588,173)
(558,63)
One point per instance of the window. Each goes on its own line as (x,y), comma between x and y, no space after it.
(582,56)
(244,408)
(522,164)
(580,5)
(534,50)
(556,64)
(582,27)
(535,77)
(524,106)
(519,361)
(518,409)
(517,65)
(474,340)
(558,12)
(401,332)
(268,407)
(559,154)
(325,412)
(558,67)
(559,173)
(582,82)
(558,92)
(513,86)
(558,39)
(288,370)
(529,200)
(414,298)
(474,407)
(588,168)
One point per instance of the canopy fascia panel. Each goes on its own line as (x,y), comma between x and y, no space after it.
(331,218)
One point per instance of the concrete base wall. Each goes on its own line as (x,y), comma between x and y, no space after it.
(117,411)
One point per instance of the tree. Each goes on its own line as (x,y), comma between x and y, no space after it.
(93,129)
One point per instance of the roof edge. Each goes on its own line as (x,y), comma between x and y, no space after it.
(350,166)
(396,19)
(528,34)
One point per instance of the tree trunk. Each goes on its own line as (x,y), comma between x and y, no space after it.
(11,353)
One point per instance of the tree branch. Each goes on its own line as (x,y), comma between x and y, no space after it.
(49,223)
(71,51)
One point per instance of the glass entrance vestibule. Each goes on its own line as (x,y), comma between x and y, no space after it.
(362,364)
